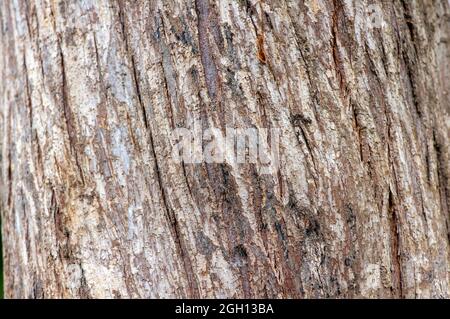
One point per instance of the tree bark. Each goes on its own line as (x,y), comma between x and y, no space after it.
(93,205)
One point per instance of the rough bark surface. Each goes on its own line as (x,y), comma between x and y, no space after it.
(92,205)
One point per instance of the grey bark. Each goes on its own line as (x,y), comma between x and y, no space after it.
(92,205)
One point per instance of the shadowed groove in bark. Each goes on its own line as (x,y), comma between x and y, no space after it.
(395,243)
(133,64)
(68,115)
(208,61)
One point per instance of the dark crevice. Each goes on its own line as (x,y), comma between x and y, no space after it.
(10,172)
(442,169)
(428,164)
(169,100)
(408,18)
(394,222)
(28,93)
(209,66)
(358,129)
(39,156)
(188,185)
(308,146)
(68,116)
(27,18)
(448,230)
(384,59)
(97,58)
(411,76)
(133,65)
(395,248)
(298,122)
(335,47)
(138,91)
(410,56)
(83,290)
(61,235)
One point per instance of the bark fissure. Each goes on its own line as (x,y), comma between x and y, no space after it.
(395,247)
(68,115)
(28,94)
(133,66)
(337,7)
(211,74)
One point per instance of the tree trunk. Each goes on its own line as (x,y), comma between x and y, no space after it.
(94,204)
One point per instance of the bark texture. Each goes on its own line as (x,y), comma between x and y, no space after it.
(92,205)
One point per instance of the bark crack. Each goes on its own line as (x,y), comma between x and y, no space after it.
(68,116)
(358,132)
(337,7)
(28,93)
(209,66)
(133,65)
(395,247)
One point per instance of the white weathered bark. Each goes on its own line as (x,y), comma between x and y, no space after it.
(93,206)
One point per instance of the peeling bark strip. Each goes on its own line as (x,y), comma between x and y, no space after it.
(93,205)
